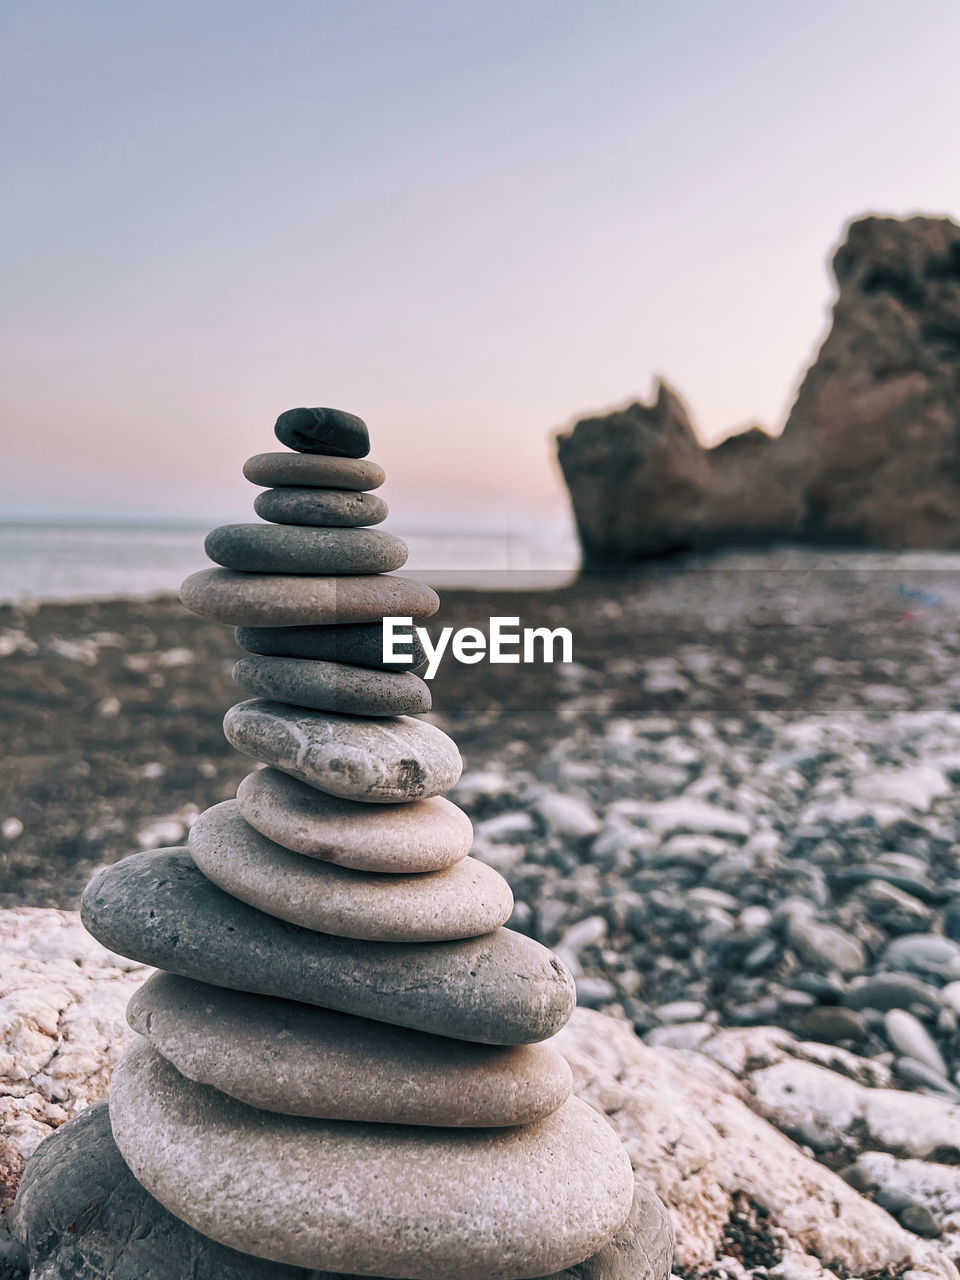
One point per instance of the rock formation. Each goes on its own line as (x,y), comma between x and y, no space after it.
(870,455)
(340,1066)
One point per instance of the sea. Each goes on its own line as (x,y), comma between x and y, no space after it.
(41,562)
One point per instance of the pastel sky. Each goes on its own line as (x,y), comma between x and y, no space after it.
(469,222)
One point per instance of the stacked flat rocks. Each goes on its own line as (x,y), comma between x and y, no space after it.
(341,1064)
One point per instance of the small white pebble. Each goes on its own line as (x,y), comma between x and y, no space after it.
(109,707)
(12,827)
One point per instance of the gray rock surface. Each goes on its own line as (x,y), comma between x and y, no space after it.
(330,508)
(300,1060)
(313,471)
(334,686)
(358,643)
(282,600)
(302,549)
(463,901)
(435,1204)
(323,431)
(425,835)
(375,761)
(158,908)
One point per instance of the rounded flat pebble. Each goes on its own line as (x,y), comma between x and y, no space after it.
(82,1215)
(359,643)
(333,686)
(466,900)
(325,431)
(289,548)
(377,761)
(304,1061)
(425,835)
(311,471)
(281,600)
(435,1204)
(160,909)
(337,508)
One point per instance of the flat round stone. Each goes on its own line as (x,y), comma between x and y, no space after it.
(389,1200)
(377,761)
(642,1249)
(302,1061)
(333,686)
(325,431)
(358,643)
(311,471)
(464,901)
(293,548)
(337,508)
(283,600)
(425,835)
(160,909)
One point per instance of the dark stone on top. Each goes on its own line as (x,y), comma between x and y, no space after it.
(326,431)
(82,1215)
(159,908)
(295,549)
(360,644)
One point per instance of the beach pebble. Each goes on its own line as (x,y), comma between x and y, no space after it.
(334,686)
(331,508)
(324,431)
(160,909)
(280,600)
(567,815)
(453,1204)
(910,1037)
(834,1023)
(464,901)
(305,1061)
(311,471)
(425,835)
(300,549)
(925,953)
(893,991)
(376,761)
(360,644)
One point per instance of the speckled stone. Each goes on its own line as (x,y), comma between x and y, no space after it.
(282,600)
(435,1204)
(377,761)
(160,909)
(310,471)
(288,548)
(304,1061)
(333,686)
(360,644)
(324,431)
(331,508)
(464,901)
(426,835)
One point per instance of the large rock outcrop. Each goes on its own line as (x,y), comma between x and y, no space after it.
(870,455)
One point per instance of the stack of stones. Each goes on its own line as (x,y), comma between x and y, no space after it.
(341,1065)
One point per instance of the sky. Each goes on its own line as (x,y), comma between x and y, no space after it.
(470,223)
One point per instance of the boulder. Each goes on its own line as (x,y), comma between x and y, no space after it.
(870,455)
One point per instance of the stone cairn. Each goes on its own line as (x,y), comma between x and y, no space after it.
(340,1066)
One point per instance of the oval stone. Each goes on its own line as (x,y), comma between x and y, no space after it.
(334,686)
(337,508)
(311,471)
(282,600)
(466,900)
(325,431)
(289,548)
(425,835)
(377,761)
(369,1199)
(160,909)
(358,643)
(303,1061)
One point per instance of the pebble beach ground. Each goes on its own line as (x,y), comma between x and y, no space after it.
(735,808)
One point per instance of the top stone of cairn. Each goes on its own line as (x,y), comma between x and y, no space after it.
(326,431)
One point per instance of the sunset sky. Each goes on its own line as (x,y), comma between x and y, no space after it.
(467,222)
